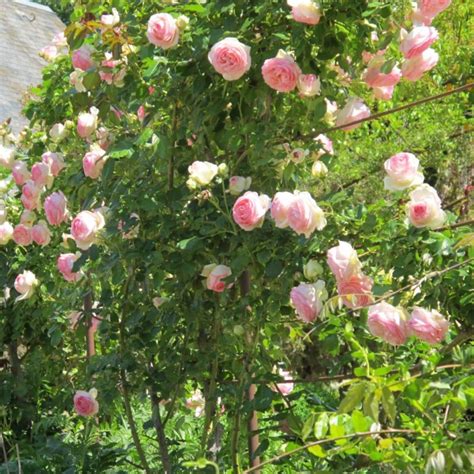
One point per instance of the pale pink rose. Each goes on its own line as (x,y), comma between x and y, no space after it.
(75,78)
(54,160)
(104,138)
(374,77)
(65,264)
(285,388)
(383,93)
(60,40)
(354,110)
(49,53)
(109,21)
(319,169)
(239,184)
(308,85)
(85,403)
(20,173)
(93,162)
(308,300)
(196,402)
(82,58)
(87,123)
(41,175)
(231,58)
(6,233)
(355,290)
(30,196)
(201,173)
(430,326)
(214,275)
(25,284)
(27,218)
(249,210)
(58,132)
(418,40)
(280,206)
(151,90)
(7,156)
(163,31)
(413,69)
(41,234)
(387,322)
(85,227)
(343,260)
(326,145)
(305,11)
(402,172)
(331,110)
(298,155)
(304,215)
(141,113)
(22,235)
(281,73)
(430,8)
(424,208)
(55,208)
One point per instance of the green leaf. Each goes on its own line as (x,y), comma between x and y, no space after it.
(388,403)
(91,80)
(317,451)
(308,427)
(371,405)
(321,426)
(354,396)
(360,422)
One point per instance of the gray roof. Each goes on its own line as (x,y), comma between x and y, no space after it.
(25,28)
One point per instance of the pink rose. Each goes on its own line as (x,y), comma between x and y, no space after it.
(85,227)
(305,11)
(424,208)
(93,162)
(326,146)
(307,299)
(387,322)
(87,122)
(308,85)
(239,184)
(304,215)
(25,284)
(402,172)
(285,388)
(20,173)
(54,160)
(109,21)
(55,208)
(231,58)
(30,196)
(414,68)
(214,275)
(343,261)
(49,53)
(430,8)
(141,113)
(281,73)
(85,403)
(280,207)
(163,31)
(356,290)
(82,58)
(383,93)
(249,210)
(7,156)
(22,235)
(6,233)
(418,40)
(354,110)
(41,234)
(430,326)
(374,77)
(65,264)
(41,175)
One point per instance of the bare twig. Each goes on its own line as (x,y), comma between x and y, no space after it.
(160,432)
(456,225)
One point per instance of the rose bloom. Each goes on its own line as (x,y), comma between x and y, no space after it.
(7,156)
(231,58)
(331,109)
(6,233)
(214,275)
(356,290)
(85,403)
(307,299)
(285,388)
(65,264)
(58,132)
(82,58)
(49,53)
(54,160)
(414,68)
(239,184)
(201,173)
(354,110)
(22,235)
(84,228)
(41,175)
(343,260)
(428,9)
(308,85)
(41,234)
(196,402)
(305,11)
(55,208)
(93,162)
(298,155)
(418,40)
(387,322)
(383,93)
(25,284)
(75,78)
(312,270)
(87,122)
(424,208)
(374,77)
(430,326)
(109,21)
(163,31)
(402,172)
(281,73)
(249,210)
(280,206)
(319,169)
(27,218)
(326,145)
(304,215)
(20,173)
